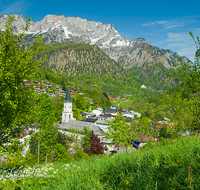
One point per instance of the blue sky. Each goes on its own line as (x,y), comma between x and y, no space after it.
(165,24)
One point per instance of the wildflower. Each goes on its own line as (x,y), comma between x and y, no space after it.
(127,182)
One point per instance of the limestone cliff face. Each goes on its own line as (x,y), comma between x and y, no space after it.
(129,53)
(141,53)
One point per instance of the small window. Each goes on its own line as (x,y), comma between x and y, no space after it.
(69,116)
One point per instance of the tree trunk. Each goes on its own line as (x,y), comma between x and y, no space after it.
(46,159)
(198,135)
(38,152)
(197,109)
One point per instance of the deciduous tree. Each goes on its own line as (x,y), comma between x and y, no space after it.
(17,62)
(120,131)
(95,145)
(187,76)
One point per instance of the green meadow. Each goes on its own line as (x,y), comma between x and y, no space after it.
(172,164)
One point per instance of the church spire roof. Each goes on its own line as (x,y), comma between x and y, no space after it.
(68,97)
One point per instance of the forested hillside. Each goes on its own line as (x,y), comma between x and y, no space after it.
(78,59)
(87,66)
(154,76)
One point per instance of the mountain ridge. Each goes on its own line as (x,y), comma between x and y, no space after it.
(129,53)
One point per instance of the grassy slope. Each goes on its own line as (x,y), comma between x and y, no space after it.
(158,167)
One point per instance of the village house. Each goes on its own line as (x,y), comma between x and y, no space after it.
(88,115)
(48,84)
(80,93)
(36,82)
(113,99)
(110,111)
(58,87)
(101,116)
(135,114)
(143,86)
(97,111)
(127,114)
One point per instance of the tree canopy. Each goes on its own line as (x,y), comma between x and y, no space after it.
(186,108)
(17,63)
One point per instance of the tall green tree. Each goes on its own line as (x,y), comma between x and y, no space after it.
(187,76)
(120,131)
(17,62)
(48,130)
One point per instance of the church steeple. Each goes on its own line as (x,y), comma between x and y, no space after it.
(67,114)
(68,97)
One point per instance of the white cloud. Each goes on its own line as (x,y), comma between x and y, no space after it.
(16,8)
(182,43)
(174,23)
(174,34)
(149,23)
(175,37)
(166,24)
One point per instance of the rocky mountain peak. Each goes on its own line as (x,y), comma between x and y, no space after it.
(128,53)
(17,24)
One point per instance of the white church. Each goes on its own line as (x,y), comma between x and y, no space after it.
(67,114)
(69,122)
